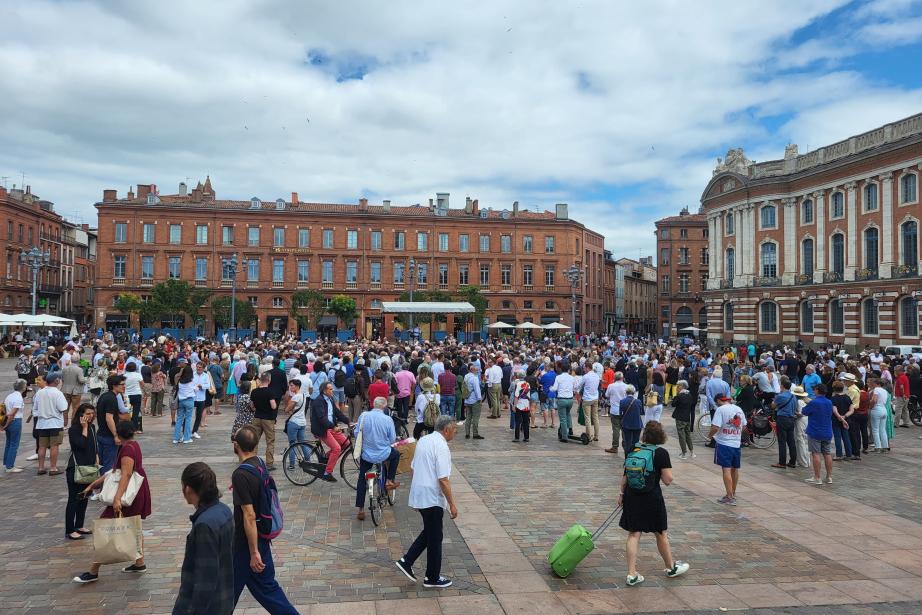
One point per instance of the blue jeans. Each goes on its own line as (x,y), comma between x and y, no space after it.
(390,471)
(296,433)
(842,439)
(447,405)
(185,414)
(563,413)
(13,433)
(107,450)
(262,585)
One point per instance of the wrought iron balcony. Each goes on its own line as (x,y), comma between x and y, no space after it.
(906,271)
(867,274)
(830,277)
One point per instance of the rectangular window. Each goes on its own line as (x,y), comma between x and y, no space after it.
(278,237)
(121,232)
(201,234)
(683,256)
(304,238)
(683,282)
(174,267)
(254,301)
(225,273)
(464,242)
(527,275)
(30,234)
(253,270)
(666,285)
(120,267)
(422,273)
(327,238)
(836,317)
(375,272)
(376,240)
(175,234)
(422,242)
(549,275)
(352,240)
(484,274)
(768,216)
(683,233)
(443,242)
(505,275)
(705,258)
(549,244)
(227,235)
(400,240)
(443,274)
(278,270)
(664,233)
(148,233)
(352,271)
(304,268)
(201,269)
(527,244)
(464,274)
(253,236)
(484,243)
(9,230)
(664,256)
(505,244)
(398,273)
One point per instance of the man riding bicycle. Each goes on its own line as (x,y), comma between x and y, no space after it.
(325,419)
(378,437)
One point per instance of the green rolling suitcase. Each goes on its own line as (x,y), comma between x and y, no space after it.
(575,545)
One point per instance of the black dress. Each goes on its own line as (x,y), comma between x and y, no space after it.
(646,512)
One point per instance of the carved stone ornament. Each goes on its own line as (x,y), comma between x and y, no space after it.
(728,185)
(735,162)
(885,177)
(726,297)
(851,185)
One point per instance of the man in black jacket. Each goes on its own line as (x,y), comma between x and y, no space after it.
(684,415)
(325,419)
(278,382)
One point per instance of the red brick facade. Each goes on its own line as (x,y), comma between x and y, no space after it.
(682,273)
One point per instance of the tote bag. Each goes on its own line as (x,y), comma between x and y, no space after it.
(110,486)
(117,540)
(357,444)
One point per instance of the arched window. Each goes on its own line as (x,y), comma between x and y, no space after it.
(870,248)
(375,304)
(703,317)
(768,216)
(768,317)
(908,185)
(870,197)
(909,317)
(806,316)
(838,205)
(728,316)
(806,257)
(836,317)
(769,260)
(838,255)
(730,224)
(869,309)
(806,212)
(909,239)
(683,318)
(731,263)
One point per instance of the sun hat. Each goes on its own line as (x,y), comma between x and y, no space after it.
(427,385)
(798,391)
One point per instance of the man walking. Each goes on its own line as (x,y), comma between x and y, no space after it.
(615,392)
(430,494)
(473,402)
(786,406)
(494,387)
(265,412)
(726,430)
(49,406)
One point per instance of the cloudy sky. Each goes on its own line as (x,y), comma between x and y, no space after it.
(618,108)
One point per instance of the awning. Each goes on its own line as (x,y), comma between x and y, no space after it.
(427,307)
(328,320)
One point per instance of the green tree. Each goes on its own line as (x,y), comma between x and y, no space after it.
(473,295)
(177,298)
(344,308)
(221,312)
(129,303)
(307,306)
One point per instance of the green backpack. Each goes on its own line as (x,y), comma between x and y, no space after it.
(431,412)
(638,468)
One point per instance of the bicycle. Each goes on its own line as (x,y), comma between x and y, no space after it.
(762,440)
(377,492)
(915,411)
(311,460)
(400,425)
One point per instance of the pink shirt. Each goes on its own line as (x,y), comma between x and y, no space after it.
(406,381)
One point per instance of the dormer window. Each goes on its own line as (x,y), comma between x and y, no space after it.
(280,204)
(152,199)
(255,203)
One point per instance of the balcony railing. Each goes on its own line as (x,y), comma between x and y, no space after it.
(725,283)
(375,285)
(227,283)
(252,283)
(201,283)
(528,287)
(398,285)
(443,286)
(906,271)
(351,285)
(326,285)
(302,283)
(278,284)
(803,279)
(867,274)
(118,281)
(768,281)
(831,277)
(147,282)
(507,288)
(549,289)
(50,288)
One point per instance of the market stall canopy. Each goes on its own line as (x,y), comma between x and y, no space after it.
(36,320)
(694,329)
(528,325)
(427,307)
(556,325)
(500,325)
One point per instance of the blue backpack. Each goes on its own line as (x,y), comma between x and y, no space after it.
(269,517)
(638,468)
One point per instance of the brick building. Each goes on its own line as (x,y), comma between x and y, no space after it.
(78,271)
(609,293)
(822,246)
(30,222)
(682,272)
(516,256)
(635,289)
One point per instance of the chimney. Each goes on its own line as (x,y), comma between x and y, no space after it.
(153,189)
(475,207)
(294,198)
(561,213)
(2,191)
(363,204)
(130,195)
(441,200)
(387,206)
(183,189)
(515,208)
(28,189)
(143,190)
(431,206)
(197,194)
(467,205)
(109,195)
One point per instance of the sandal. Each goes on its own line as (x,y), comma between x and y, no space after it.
(55,472)
(40,472)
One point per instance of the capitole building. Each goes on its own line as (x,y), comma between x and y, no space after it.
(822,246)
(517,256)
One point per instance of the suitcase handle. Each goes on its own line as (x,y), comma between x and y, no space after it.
(615,513)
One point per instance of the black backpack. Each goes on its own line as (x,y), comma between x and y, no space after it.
(350,388)
(339,379)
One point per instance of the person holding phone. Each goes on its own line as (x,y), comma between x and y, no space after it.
(84,452)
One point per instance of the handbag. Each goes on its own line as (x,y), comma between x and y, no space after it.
(117,540)
(110,486)
(84,475)
(357,443)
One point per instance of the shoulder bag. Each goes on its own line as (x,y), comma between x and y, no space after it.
(357,443)
(84,475)
(110,486)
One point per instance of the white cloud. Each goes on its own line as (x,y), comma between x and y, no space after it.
(478,98)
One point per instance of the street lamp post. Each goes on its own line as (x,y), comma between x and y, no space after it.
(573,274)
(35,259)
(412,285)
(230,267)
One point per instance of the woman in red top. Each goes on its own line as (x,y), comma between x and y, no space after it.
(128,460)
(901,395)
(378,388)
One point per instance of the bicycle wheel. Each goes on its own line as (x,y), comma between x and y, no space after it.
(915,415)
(303,471)
(374,500)
(702,427)
(391,496)
(402,433)
(764,441)
(349,468)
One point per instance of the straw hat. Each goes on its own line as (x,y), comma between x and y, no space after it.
(798,391)
(427,385)
(847,376)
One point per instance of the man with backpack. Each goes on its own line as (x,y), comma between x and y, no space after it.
(257,519)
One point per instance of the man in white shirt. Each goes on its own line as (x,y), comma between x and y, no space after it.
(494,378)
(726,430)
(590,389)
(563,386)
(615,392)
(49,406)
(430,494)
(13,427)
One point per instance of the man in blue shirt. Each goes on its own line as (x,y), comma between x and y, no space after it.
(811,379)
(819,433)
(785,406)
(378,437)
(473,402)
(550,397)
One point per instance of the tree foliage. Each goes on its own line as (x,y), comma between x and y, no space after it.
(129,303)
(307,306)
(221,313)
(344,308)
(473,295)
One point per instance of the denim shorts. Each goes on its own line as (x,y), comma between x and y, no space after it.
(821,447)
(727,456)
(339,396)
(533,396)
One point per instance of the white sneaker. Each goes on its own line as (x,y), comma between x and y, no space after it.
(828,480)
(189,441)
(632,581)
(175,441)
(196,436)
(682,456)
(694,456)
(32,457)
(814,481)
(677,570)
(13,470)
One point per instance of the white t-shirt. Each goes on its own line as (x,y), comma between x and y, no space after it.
(133,382)
(49,405)
(880,397)
(730,420)
(300,407)
(14,401)
(431,462)
(615,392)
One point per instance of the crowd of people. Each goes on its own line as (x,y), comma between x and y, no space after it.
(824,405)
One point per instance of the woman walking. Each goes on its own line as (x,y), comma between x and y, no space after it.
(157,389)
(521,402)
(654,405)
(243,408)
(185,406)
(879,398)
(644,507)
(84,452)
